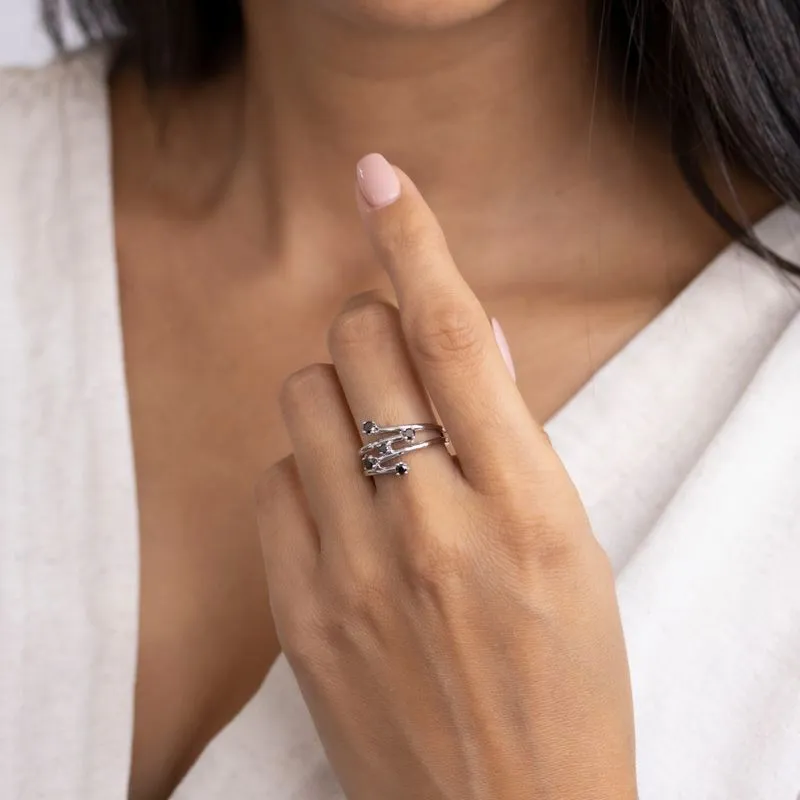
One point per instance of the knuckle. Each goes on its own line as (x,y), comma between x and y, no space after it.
(359,578)
(554,551)
(308,385)
(353,617)
(532,540)
(366,577)
(360,609)
(542,547)
(407,513)
(446,330)
(436,564)
(353,326)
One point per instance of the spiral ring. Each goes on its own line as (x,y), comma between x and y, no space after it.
(389,443)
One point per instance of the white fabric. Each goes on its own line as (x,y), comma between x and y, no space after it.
(685,447)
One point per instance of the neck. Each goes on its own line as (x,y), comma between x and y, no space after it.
(459,109)
(502,121)
(490,117)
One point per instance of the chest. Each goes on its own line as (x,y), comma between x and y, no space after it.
(203,372)
(204,365)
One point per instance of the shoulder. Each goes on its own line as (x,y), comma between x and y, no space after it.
(780,233)
(754,278)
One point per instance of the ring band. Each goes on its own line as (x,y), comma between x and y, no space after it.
(379,456)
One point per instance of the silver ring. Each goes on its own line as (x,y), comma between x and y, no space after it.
(391,442)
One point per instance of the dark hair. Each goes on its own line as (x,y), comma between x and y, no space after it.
(723,75)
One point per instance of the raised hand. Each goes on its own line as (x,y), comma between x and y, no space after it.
(454,630)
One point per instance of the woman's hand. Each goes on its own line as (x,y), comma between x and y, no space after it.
(454,632)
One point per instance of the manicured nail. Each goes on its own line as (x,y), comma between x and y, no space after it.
(502,343)
(377,181)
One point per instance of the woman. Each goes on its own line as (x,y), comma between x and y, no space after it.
(180,241)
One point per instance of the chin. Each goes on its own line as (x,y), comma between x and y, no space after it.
(412,14)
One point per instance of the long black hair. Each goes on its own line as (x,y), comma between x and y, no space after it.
(723,75)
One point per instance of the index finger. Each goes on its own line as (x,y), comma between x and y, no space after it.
(447,331)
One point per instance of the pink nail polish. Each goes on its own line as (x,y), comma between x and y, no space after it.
(502,343)
(377,181)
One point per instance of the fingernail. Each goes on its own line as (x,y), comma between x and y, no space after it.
(377,181)
(502,343)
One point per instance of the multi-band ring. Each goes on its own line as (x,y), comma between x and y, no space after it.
(380,455)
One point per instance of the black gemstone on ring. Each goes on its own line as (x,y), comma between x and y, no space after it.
(369,462)
(369,427)
(385,449)
(401,469)
(409,435)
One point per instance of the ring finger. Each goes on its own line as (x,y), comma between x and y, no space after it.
(380,384)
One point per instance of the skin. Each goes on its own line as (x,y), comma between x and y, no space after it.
(238,242)
(455,634)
